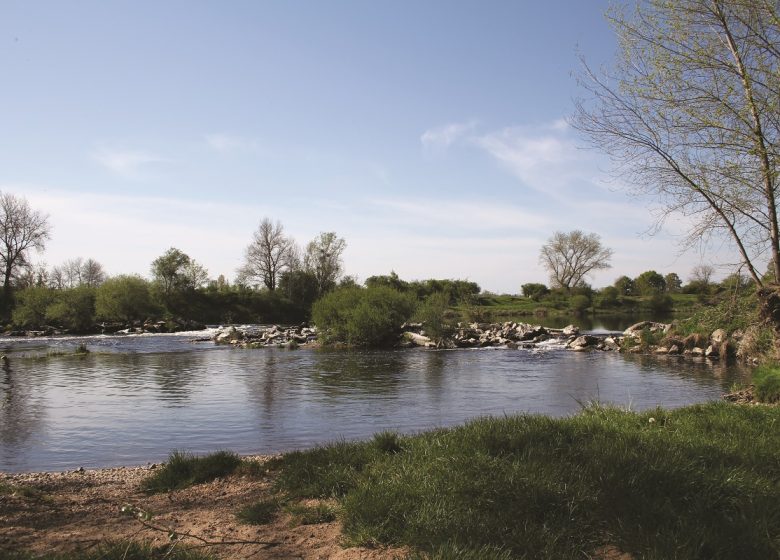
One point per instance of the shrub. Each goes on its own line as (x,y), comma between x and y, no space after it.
(123,298)
(767,381)
(31,306)
(362,316)
(579,303)
(432,313)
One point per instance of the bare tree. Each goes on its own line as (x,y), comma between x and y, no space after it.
(77,272)
(569,257)
(702,274)
(323,259)
(268,255)
(21,230)
(691,115)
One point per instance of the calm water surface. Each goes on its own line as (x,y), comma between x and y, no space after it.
(134,398)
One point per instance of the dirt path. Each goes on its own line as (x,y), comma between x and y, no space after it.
(75,510)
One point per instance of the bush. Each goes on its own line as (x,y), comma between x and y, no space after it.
(362,316)
(535,291)
(767,382)
(259,513)
(123,298)
(432,313)
(31,306)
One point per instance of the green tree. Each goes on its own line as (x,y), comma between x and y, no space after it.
(625,286)
(570,257)
(649,283)
(323,260)
(124,298)
(689,115)
(433,314)
(673,283)
(535,291)
(176,276)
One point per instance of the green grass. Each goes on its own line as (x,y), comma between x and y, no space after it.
(184,469)
(699,482)
(21,491)
(767,382)
(121,550)
(259,513)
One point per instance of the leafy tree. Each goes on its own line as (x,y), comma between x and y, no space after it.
(689,114)
(535,291)
(123,298)
(673,283)
(579,303)
(649,283)
(74,309)
(432,313)
(269,254)
(31,306)
(176,276)
(609,297)
(625,286)
(323,260)
(391,281)
(569,257)
(22,229)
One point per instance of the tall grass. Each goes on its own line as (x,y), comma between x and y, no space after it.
(699,482)
(184,469)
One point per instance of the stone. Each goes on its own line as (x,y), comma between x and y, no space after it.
(696,351)
(582,342)
(711,352)
(570,330)
(718,336)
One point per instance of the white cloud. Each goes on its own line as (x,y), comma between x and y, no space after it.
(126,163)
(442,137)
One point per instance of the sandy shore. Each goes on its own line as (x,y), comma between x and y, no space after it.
(75,510)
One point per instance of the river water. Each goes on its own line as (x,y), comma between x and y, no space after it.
(133,399)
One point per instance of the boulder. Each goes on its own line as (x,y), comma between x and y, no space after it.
(570,330)
(718,336)
(583,342)
(417,339)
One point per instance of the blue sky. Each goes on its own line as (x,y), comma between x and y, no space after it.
(430,135)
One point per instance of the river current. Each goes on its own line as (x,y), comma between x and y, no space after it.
(132,399)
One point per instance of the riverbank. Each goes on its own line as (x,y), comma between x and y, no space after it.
(76,510)
(696,482)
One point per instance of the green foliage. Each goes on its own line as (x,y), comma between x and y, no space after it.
(388,442)
(697,482)
(673,283)
(116,550)
(31,306)
(660,302)
(432,313)
(260,513)
(650,283)
(184,469)
(625,286)
(535,291)
(362,316)
(766,378)
(730,314)
(123,298)
(608,297)
(74,309)
(579,303)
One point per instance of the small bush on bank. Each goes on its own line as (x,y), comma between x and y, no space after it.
(767,382)
(184,469)
(370,317)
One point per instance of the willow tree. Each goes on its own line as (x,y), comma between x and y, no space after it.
(570,257)
(690,114)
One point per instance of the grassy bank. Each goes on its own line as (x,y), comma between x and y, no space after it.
(699,482)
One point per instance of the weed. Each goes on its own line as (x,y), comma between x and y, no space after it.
(259,513)
(387,442)
(767,382)
(184,469)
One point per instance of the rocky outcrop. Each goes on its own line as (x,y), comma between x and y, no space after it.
(254,336)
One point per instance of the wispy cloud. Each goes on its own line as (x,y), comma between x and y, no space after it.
(543,157)
(440,138)
(126,163)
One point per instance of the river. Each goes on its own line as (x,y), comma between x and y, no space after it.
(132,399)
